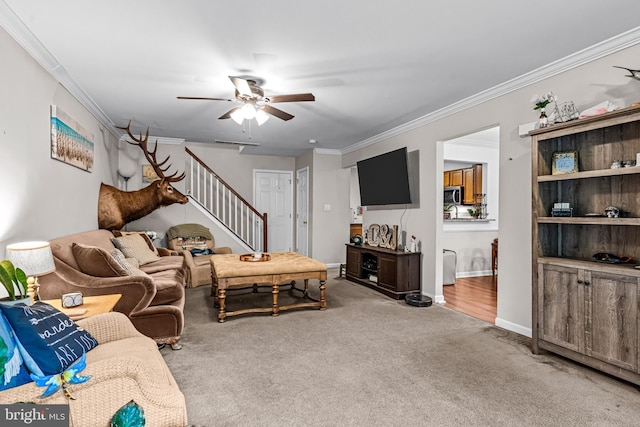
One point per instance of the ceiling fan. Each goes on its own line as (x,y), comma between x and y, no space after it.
(254,103)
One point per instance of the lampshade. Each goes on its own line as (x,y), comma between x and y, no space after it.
(238,116)
(34,258)
(127,171)
(249,111)
(261,117)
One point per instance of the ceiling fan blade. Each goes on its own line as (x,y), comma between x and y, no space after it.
(275,112)
(296,97)
(227,115)
(241,85)
(203,99)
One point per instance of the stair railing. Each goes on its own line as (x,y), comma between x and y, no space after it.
(218,198)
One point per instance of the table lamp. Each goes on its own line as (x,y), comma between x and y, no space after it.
(35,259)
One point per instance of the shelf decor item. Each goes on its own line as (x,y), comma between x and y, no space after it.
(564,162)
(543,120)
(540,103)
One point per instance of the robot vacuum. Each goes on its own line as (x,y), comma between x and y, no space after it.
(418,300)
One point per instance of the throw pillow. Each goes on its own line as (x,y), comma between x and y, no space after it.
(49,341)
(95,261)
(13,371)
(134,246)
(129,264)
(143,234)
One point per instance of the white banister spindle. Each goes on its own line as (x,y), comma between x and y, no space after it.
(242,223)
(191,176)
(210,192)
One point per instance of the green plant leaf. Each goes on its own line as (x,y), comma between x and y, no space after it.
(21,278)
(5,278)
(130,415)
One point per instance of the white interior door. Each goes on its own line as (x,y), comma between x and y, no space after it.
(302,211)
(273,195)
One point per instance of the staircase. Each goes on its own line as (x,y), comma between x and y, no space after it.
(212,195)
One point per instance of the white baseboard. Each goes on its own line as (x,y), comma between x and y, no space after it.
(513,327)
(463,274)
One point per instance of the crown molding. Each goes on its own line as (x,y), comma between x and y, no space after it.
(25,38)
(592,53)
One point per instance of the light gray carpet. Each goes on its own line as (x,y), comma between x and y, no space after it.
(369,360)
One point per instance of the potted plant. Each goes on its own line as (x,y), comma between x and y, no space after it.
(446,211)
(14,281)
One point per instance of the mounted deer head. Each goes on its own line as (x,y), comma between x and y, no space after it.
(117,208)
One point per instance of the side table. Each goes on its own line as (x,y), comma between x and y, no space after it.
(92,305)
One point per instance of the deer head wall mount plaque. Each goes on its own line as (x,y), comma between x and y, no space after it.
(117,208)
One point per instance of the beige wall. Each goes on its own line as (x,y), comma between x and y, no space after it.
(43,198)
(330,228)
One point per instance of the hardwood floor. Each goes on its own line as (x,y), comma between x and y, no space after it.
(475,296)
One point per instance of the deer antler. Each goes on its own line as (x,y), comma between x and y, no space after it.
(151,155)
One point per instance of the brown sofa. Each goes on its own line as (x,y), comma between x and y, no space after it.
(184,237)
(124,366)
(152,297)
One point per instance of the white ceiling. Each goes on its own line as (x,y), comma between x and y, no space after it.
(373,66)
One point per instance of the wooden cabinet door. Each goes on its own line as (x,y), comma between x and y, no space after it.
(446,179)
(467,198)
(353,262)
(456,177)
(387,271)
(612,319)
(561,306)
(477,181)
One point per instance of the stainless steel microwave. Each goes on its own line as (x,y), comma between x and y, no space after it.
(453,195)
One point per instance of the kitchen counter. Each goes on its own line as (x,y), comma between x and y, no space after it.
(459,220)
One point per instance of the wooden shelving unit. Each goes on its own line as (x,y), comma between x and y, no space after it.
(583,309)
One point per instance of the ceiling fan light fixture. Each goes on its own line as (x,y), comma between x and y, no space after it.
(248,111)
(238,116)
(261,117)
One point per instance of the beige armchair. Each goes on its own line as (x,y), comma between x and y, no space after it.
(194,242)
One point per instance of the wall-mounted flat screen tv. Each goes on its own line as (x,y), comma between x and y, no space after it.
(384,179)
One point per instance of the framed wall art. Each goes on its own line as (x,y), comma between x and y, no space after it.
(70,142)
(149,174)
(564,162)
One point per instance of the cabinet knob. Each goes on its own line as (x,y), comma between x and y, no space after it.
(580,281)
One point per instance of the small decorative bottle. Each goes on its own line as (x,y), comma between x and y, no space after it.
(543,121)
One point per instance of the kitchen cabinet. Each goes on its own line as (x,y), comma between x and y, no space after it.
(456,177)
(586,310)
(469,178)
(469,187)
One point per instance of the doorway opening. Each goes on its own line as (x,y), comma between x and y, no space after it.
(471,223)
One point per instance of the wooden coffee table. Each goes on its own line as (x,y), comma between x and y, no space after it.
(229,271)
(91,306)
